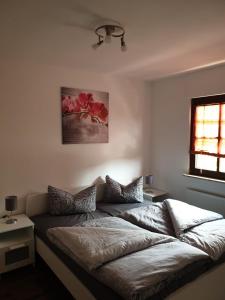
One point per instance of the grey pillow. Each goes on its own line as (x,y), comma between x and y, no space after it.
(64,203)
(118,193)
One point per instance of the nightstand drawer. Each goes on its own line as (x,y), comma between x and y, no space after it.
(16,256)
(21,252)
(16,244)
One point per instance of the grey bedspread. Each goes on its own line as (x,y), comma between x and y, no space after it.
(153,217)
(132,261)
(198,227)
(209,237)
(185,216)
(104,240)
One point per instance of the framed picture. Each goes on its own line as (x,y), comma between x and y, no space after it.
(84,116)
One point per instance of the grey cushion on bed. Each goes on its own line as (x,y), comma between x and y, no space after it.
(64,203)
(118,193)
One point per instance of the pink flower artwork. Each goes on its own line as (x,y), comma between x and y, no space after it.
(84,116)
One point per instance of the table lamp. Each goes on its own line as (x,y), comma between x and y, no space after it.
(11,205)
(148,182)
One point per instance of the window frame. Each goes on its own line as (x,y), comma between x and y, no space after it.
(205,100)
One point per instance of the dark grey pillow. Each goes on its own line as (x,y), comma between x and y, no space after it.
(118,193)
(64,203)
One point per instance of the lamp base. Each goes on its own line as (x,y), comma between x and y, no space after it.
(11,221)
(148,190)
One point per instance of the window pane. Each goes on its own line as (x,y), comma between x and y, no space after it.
(199,129)
(222,146)
(222,165)
(223,122)
(205,162)
(206,145)
(207,121)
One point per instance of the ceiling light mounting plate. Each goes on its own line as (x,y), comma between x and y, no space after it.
(110,29)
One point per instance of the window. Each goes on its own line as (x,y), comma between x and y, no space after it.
(207,146)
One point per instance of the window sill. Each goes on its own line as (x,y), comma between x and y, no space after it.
(204,178)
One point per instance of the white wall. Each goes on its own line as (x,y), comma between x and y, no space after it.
(170,135)
(31,153)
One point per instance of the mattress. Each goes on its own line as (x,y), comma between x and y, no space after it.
(99,290)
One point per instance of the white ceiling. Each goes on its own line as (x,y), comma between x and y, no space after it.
(164,37)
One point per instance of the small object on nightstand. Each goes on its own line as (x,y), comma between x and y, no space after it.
(148,181)
(11,205)
(154,195)
(16,244)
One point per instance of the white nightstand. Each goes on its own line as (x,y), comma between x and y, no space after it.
(154,195)
(16,243)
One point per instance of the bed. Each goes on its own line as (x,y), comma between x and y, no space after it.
(83,286)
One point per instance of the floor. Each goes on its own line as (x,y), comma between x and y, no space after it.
(29,283)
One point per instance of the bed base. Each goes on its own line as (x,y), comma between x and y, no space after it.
(209,286)
(70,281)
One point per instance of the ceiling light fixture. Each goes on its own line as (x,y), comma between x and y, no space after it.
(105,34)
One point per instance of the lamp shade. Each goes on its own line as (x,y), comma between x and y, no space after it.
(11,203)
(149,179)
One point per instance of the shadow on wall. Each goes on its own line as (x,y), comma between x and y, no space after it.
(31,150)
(135,124)
(37,202)
(71,177)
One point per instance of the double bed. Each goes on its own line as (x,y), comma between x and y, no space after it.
(198,280)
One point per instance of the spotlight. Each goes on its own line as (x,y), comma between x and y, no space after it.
(95,46)
(123,44)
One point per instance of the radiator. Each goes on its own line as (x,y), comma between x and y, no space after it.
(206,200)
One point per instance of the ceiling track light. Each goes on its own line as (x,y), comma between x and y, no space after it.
(123,44)
(105,34)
